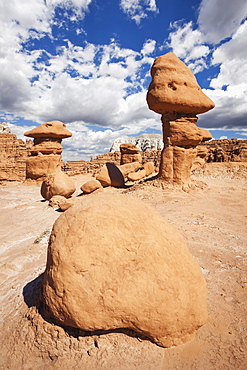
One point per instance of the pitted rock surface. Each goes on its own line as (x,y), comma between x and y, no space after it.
(174,88)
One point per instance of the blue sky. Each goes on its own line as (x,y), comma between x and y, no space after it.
(87,63)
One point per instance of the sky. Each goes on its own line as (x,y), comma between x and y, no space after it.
(87,63)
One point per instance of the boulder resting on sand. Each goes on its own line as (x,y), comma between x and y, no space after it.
(57,184)
(90,186)
(114,262)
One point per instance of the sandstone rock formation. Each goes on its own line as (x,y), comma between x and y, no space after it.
(45,160)
(90,186)
(39,166)
(129,167)
(149,168)
(110,266)
(13,156)
(174,93)
(130,153)
(67,203)
(234,150)
(57,183)
(110,175)
(135,176)
(56,200)
(46,151)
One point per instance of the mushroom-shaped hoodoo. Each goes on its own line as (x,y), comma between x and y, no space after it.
(45,160)
(48,137)
(46,150)
(175,93)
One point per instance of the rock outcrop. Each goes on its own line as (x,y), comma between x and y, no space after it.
(175,93)
(110,266)
(13,156)
(116,176)
(224,150)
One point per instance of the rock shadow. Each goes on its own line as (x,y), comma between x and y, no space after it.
(115,175)
(32,293)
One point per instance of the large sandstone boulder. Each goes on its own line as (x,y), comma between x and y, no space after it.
(114,262)
(149,168)
(57,184)
(174,88)
(110,175)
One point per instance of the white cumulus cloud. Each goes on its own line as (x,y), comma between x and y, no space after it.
(138,9)
(219,19)
(188,44)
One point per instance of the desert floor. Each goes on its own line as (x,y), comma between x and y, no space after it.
(212,218)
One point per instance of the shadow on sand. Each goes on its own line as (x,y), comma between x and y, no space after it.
(32,294)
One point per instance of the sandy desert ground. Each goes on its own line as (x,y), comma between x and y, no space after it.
(212,218)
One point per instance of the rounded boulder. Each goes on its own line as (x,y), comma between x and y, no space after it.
(57,184)
(114,262)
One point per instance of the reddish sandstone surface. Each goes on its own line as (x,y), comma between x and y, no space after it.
(212,219)
(13,156)
(174,88)
(122,269)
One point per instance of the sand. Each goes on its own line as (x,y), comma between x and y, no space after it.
(212,218)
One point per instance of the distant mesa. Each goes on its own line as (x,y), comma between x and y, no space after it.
(144,142)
